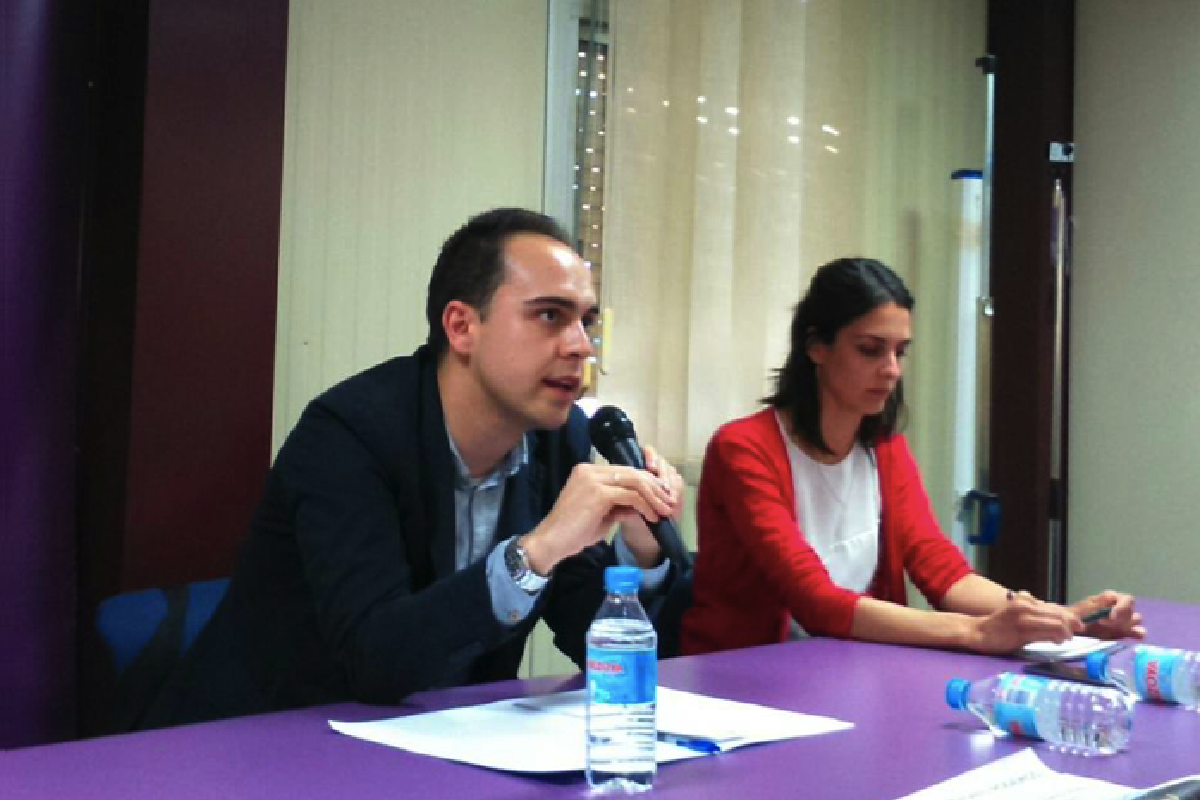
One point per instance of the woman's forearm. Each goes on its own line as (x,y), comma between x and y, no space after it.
(978,615)
(954,625)
(975,595)
(881,621)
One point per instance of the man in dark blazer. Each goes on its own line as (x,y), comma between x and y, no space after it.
(423,514)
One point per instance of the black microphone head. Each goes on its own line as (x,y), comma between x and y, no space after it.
(610,423)
(613,436)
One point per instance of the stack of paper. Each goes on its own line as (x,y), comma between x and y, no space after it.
(1075,647)
(545,733)
(1021,776)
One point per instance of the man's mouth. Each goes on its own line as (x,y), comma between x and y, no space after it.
(568,383)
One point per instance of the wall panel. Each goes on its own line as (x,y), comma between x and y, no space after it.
(403,119)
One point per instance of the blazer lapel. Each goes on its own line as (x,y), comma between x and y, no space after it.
(439,484)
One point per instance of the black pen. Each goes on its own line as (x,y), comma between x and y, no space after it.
(1096,616)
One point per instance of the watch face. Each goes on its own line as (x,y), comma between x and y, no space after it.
(517,564)
(513,561)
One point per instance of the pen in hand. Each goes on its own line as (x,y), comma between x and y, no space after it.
(1096,616)
(1086,619)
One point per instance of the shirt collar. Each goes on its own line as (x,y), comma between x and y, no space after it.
(509,465)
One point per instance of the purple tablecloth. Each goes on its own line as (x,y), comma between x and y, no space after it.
(905,738)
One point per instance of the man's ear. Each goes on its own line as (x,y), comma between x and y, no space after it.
(459,321)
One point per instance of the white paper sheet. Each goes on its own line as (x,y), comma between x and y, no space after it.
(1021,776)
(1075,647)
(545,733)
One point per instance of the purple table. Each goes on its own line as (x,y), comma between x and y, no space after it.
(905,738)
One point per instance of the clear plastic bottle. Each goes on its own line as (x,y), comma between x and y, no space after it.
(622,685)
(1151,673)
(1075,717)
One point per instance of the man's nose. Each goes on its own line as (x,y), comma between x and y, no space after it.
(578,341)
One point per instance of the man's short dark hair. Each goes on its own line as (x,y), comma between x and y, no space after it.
(470,267)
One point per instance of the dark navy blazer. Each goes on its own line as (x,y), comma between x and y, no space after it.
(345,588)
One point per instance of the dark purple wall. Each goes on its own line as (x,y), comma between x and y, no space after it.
(204,343)
(141,221)
(42,102)
(179,288)
(179,284)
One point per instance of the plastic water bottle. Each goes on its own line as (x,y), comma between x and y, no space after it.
(622,685)
(1075,717)
(1151,673)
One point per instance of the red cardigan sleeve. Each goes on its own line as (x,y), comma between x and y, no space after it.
(748,465)
(929,558)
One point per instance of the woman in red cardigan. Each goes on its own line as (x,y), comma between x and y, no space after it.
(812,510)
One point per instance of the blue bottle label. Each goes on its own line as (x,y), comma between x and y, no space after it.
(1016,697)
(1154,669)
(622,676)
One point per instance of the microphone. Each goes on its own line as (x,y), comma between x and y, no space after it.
(613,437)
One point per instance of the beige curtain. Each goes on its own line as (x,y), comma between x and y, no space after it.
(752,141)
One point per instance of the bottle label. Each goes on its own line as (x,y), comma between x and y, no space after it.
(622,676)
(1154,669)
(1016,697)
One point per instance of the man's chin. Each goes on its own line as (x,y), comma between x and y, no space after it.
(553,418)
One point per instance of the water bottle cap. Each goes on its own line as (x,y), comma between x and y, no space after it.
(1097,665)
(956,693)
(622,580)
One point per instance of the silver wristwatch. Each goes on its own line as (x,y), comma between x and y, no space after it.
(516,560)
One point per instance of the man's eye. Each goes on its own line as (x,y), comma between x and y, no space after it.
(549,314)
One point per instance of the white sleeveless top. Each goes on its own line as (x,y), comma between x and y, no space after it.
(838,507)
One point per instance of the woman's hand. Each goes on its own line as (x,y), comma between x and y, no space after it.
(1122,621)
(1021,620)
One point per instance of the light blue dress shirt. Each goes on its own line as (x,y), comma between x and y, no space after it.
(477,504)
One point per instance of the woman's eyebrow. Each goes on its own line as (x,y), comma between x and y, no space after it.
(874,337)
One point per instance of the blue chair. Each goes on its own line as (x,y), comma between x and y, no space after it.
(145,633)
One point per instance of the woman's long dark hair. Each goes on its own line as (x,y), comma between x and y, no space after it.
(840,292)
